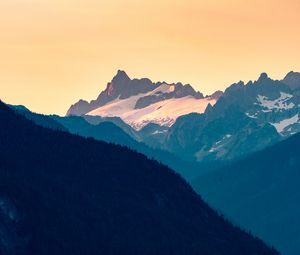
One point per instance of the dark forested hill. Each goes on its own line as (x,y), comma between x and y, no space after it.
(261,193)
(64,194)
(114,130)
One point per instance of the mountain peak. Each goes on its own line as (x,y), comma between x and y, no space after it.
(121,76)
(292,79)
(122,87)
(292,73)
(263,76)
(216,95)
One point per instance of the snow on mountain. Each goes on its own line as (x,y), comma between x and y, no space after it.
(140,101)
(164,112)
(219,144)
(256,114)
(282,125)
(122,87)
(278,104)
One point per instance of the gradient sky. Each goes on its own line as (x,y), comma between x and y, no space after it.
(54,52)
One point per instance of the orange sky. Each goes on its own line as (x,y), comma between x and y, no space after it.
(54,52)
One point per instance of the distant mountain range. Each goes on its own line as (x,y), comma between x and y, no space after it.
(65,194)
(140,101)
(224,126)
(260,193)
(226,151)
(248,117)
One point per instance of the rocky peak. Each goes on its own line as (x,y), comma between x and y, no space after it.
(123,87)
(263,77)
(235,87)
(121,77)
(292,79)
(216,95)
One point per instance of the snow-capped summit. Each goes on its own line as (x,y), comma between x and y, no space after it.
(121,86)
(140,101)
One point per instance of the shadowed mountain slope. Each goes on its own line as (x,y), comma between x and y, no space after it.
(261,193)
(64,194)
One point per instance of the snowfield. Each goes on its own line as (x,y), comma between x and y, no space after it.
(163,113)
(277,104)
(282,125)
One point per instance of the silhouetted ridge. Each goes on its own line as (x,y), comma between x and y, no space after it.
(64,194)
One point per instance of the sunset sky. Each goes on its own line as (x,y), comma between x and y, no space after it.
(54,52)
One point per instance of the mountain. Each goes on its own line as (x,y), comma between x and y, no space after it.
(153,134)
(39,119)
(233,135)
(261,193)
(106,131)
(121,86)
(114,130)
(265,101)
(64,194)
(140,101)
(96,120)
(292,79)
(246,118)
